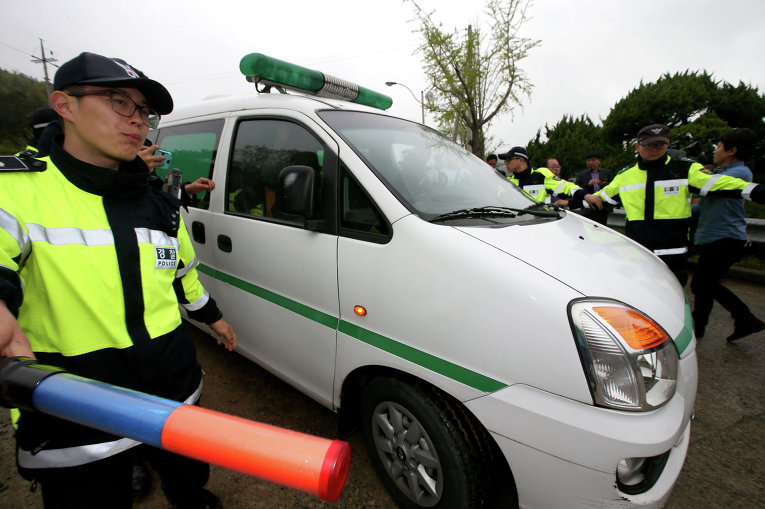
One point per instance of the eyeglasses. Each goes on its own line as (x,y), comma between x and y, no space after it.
(124,105)
(555,167)
(656,145)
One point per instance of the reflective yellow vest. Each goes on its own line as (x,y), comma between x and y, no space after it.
(657,200)
(95,279)
(60,241)
(541,184)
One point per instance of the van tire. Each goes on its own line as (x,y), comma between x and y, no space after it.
(447,445)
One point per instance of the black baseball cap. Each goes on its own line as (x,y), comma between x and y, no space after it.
(653,132)
(515,152)
(93,69)
(42,117)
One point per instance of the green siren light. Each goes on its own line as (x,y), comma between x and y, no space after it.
(270,71)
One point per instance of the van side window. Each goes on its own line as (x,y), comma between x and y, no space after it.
(261,149)
(359,216)
(193,148)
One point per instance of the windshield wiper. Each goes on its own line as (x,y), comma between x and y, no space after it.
(494,211)
(478,212)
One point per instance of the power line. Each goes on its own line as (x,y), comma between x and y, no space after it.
(16,49)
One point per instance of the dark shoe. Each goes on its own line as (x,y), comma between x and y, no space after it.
(141,480)
(201,500)
(746,327)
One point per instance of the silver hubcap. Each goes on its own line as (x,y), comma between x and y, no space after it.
(407,453)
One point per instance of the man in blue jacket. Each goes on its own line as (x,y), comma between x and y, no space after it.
(720,239)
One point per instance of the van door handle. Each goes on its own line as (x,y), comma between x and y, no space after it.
(198,231)
(224,243)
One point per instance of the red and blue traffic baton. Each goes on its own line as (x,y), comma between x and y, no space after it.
(312,464)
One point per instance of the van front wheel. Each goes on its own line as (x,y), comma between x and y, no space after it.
(422,445)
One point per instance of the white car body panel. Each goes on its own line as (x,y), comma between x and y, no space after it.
(479,312)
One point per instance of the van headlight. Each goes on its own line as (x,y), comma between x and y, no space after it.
(630,361)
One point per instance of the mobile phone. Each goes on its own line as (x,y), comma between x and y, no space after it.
(168,159)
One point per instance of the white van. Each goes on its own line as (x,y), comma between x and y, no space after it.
(489,348)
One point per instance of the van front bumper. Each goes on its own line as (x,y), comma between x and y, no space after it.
(564,453)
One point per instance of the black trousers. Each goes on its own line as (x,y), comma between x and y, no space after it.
(107,483)
(715,258)
(677,264)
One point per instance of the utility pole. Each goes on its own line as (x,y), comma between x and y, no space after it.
(44,61)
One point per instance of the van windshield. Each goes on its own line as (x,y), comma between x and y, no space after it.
(431,175)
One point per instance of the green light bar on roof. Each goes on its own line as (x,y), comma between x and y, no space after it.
(270,71)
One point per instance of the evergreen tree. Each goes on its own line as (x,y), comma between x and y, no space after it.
(20,96)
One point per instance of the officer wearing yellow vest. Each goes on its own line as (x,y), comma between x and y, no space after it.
(656,196)
(539,183)
(94,263)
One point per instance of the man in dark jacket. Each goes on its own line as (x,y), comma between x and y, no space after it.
(592,180)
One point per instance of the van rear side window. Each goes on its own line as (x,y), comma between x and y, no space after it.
(193,147)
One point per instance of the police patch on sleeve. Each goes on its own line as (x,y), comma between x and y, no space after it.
(13,163)
(166,258)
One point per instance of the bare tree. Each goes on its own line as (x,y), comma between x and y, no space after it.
(475,75)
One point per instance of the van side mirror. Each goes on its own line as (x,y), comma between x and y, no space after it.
(296,190)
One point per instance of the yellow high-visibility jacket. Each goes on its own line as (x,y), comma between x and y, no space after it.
(656,197)
(541,184)
(94,263)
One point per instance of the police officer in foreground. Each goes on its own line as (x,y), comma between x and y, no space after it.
(94,263)
(539,183)
(656,196)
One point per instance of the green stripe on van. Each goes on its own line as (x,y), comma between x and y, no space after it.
(426,360)
(686,333)
(296,307)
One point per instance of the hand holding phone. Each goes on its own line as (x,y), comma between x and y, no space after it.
(168,158)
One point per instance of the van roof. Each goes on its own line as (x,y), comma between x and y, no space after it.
(290,101)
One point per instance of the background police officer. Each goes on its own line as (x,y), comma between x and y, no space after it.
(539,183)
(40,119)
(656,196)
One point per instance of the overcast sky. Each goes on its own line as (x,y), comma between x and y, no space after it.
(593,52)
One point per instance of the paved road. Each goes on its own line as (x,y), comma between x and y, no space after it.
(724,468)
